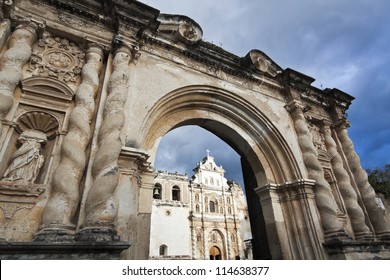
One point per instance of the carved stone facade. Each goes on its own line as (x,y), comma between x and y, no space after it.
(88,89)
(210,211)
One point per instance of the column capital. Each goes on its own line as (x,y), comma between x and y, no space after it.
(341,123)
(132,158)
(325,125)
(295,107)
(95,48)
(120,45)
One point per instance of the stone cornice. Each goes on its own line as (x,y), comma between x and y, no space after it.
(301,84)
(211,60)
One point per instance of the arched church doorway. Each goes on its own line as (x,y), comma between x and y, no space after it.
(181,148)
(215,253)
(265,156)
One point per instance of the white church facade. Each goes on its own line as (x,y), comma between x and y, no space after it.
(205,217)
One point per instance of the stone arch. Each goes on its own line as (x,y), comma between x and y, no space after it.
(236,121)
(216,238)
(263,150)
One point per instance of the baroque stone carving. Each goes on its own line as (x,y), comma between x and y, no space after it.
(39,121)
(317,137)
(11,64)
(100,207)
(14,197)
(185,29)
(56,57)
(333,228)
(349,195)
(377,217)
(27,160)
(258,60)
(63,203)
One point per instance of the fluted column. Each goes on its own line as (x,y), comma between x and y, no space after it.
(100,209)
(349,195)
(377,216)
(323,196)
(65,197)
(11,64)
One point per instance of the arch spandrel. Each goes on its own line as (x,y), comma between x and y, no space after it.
(230,117)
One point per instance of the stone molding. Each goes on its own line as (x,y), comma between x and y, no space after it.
(38,250)
(15,196)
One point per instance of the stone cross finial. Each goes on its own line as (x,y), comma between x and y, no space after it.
(208,152)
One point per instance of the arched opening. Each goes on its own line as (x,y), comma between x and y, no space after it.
(163,250)
(157,191)
(215,253)
(265,156)
(212,207)
(176,193)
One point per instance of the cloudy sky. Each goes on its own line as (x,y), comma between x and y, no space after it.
(343,44)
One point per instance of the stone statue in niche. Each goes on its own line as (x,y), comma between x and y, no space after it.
(27,160)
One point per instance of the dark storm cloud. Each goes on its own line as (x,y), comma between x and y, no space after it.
(341,43)
(181,149)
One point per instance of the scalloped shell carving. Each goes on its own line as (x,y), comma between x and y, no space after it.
(39,121)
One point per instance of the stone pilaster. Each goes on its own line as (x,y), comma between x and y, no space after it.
(326,204)
(133,200)
(354,210)
(377,216)
(11,63)
(296,199)
(100,210)
(64,199)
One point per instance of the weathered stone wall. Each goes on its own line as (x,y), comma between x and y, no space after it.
(88,89)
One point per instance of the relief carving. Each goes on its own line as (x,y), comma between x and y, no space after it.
(56,57)
(27,160)
(17,188)
(258,60)
(317,137)
(184,29)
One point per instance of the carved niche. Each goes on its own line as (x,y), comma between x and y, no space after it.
(57,58)
(18,187)
(325,160)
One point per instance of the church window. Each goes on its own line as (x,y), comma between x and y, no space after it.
(163,250)
(229,210)
(157,191)
(228,200)
(197,197)
(212,181)
(212,207)
(206,209)
(176,193)
(206,181)
(197,208)
(198,237)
